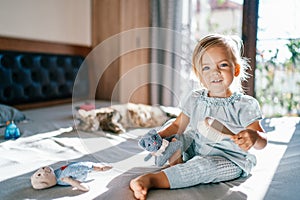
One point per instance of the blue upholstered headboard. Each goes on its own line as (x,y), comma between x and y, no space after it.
(36,77)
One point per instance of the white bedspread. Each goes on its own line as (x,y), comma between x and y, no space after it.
(277,175)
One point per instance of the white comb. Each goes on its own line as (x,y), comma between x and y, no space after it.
(214,130)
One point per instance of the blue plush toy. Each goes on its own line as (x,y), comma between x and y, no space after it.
(72,174)
(11,131)
(161,148)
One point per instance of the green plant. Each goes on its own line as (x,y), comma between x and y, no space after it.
(294,48)
(277,83)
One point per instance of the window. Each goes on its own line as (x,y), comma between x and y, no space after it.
(277,75)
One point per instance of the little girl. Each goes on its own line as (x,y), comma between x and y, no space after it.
(220,67)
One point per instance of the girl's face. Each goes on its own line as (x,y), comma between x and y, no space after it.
(217,72)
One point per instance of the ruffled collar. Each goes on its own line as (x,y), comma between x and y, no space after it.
(214,101)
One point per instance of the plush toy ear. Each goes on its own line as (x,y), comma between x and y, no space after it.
(152,132)
(142,143)
(237,70)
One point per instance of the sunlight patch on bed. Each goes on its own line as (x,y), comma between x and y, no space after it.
(135,164)
(29,153)
(269,158)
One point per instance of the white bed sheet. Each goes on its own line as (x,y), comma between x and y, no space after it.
(50,140)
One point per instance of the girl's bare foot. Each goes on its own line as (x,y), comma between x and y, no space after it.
(140,186)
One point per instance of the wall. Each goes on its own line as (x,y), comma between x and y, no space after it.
(63,21)
(85,23)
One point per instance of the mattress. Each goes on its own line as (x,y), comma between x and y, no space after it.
(48,138)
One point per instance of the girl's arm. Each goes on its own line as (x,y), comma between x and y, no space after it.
(252,136)
(261,140)
(176,127)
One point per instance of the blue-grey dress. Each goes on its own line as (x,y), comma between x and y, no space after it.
(236,112)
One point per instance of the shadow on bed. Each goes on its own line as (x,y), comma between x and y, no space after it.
(287,175)
(266,125)
(20,188)
(118,188)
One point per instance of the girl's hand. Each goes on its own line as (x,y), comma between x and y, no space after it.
(249,138)
(245,139)
(252,136)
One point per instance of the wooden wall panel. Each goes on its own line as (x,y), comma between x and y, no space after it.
(110,17)
(15,44)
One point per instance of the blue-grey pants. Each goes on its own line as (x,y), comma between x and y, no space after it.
(198,169)
(202,169)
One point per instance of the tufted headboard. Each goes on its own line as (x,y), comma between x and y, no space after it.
(27,77)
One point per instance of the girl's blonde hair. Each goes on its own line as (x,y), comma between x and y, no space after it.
(234,46)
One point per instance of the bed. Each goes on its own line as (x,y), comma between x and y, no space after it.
(48,137)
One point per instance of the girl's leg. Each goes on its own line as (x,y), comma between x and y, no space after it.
(142,184)
(209,169)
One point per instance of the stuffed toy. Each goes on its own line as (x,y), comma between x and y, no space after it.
(72,174)
(119,118)
(161,148)
(11,131)
(106,119)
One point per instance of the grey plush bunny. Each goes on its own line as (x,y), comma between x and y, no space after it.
(161,148)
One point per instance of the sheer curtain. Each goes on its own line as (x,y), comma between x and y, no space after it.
(165,59)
